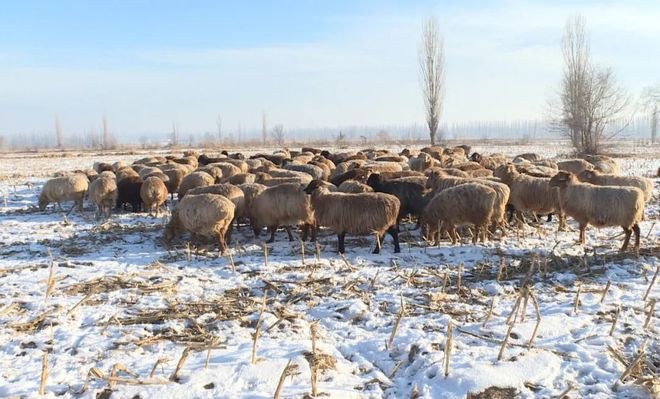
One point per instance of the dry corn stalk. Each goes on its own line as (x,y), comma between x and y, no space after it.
(396,324)
(44,375)
(448,345)
(180,364)
(257,331)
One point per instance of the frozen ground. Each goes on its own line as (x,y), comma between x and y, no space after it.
(121,300)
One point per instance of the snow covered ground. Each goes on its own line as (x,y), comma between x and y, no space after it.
(120,300)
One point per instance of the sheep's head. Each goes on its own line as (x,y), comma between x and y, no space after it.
(375,179)
(43,201)
(476,157)
(313,186)
(561,179)
(586,175)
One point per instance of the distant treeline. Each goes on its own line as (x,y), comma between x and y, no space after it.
(519,130)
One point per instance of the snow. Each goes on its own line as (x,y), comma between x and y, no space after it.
(356,301)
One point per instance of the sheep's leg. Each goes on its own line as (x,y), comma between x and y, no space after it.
(221,243)
(288,232)
(381,237)
(272,230)
(637,234)
(582,228)
(228,234)
(475,235)
(59,206)
(549,218)
(453,235)
(340,242)
(510,211)
(627,239)
(305,232)
(395,236)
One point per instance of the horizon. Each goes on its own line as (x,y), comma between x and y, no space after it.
(308,66)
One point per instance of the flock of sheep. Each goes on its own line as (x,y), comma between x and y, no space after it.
(361,193)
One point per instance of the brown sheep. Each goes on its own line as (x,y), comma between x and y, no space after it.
(359,214)
(470,203)
(153,194)
(283,205)
(194,180)
(66,188)
(103,193)
(601,206)
(203,214)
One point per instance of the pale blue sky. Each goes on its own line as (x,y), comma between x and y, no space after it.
(306,63)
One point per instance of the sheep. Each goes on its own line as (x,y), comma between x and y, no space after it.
(193,180)
(119,165)
(153,194)
(439,183)
(325,169)
(270,181)
(530,193)
(232,193)
(492,161)
(160,175)
(344,167)
(239,163)
(575,166)
(227,168)
(421,162)
(470,203)
(314,171)
(604,164)
(359,214)
(284,204)
(129,192)
(321,159)
(205,159)
(240,178)
(203,214)
(102,167)
(381,167)
(277,159)
(601,206)
(480,173)
(391,158)
(175,177)
(189,160)
(143,172)
(65,188)
(359,175)
(353,186)
(250,192)
(108,173)
(411,195)
(599,179)
(126,172)
(214,171)
(528,156)
(444,172)
(103,193)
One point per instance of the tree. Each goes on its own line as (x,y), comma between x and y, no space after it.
(278,134)
(58,132)
(432,75)
(651,104)
(589,96)
(264,129)
(175,134)
(218,124)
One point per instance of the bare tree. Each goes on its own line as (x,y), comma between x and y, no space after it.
(278,134)
(264,129)
(589,96)
(58,132)
(432,75)
(218,124)
(175,134)
(651,104)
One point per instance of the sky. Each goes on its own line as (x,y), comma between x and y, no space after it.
(306,64)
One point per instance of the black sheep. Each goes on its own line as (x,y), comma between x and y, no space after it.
(128,189)
(412,195)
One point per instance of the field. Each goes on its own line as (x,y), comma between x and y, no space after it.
(113,312)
